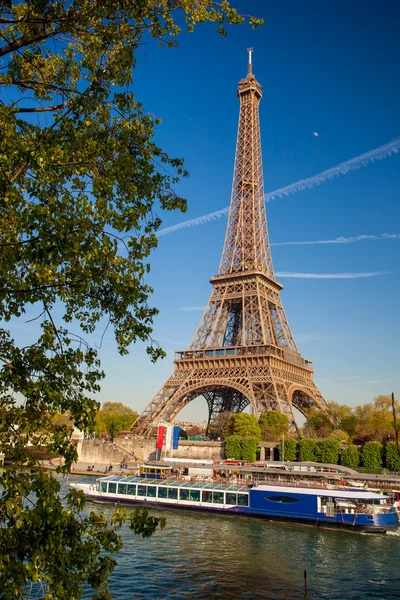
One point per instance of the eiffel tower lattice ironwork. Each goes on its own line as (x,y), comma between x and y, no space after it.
(243,351)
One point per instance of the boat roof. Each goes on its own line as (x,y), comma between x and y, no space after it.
(325,492)
(176,483)
(355,494)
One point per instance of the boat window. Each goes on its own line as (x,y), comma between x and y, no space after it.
(112,487)
(231,498)
(184,494)
(151,491)
(243,499)
(103,486)
(122,488)
(218,497)
(194,495)
(282,499)
(141,490)
(162,492)
(131,490)
(173,493)
(206,496)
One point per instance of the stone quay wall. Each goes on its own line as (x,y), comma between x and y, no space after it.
(97,452)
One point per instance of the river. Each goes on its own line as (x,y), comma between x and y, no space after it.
(218,557)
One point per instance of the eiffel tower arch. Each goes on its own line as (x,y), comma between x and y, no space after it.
(243,351)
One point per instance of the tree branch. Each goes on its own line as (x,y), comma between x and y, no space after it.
(26,41)
(42,108)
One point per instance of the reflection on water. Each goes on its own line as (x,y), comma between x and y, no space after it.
(219,557)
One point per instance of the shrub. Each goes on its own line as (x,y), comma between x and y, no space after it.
(233,447)
(371,454)
(392,457)
(241,448)
(351,456)
(249,449)
(327,451)
(307,448)
(290,450)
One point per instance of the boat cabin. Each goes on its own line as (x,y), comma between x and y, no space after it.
(176,492)
(155,471)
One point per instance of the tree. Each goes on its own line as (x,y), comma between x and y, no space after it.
(222,426)
(373,421)
(81,179)
(245,425)
(273,424)
(338,412)
(341,436)
(114,417)
(194,431)
(319,424)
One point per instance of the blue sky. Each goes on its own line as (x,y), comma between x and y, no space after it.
(325,67)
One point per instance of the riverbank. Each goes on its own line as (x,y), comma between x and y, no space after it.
(98,470)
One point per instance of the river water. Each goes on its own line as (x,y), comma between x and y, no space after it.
(218,557)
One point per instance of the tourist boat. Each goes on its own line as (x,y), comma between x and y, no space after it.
(354,509)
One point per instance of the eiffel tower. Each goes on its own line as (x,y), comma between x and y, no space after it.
(243,351)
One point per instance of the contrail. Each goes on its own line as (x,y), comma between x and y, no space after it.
(284,274)
(343,168)
(342,240)
(193,222)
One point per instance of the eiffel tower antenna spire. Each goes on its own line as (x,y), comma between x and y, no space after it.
(243,351)
(250,65)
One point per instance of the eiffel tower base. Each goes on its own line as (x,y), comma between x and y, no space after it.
(232,382)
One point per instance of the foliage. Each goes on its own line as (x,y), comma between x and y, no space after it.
(273,424)
(307,450)
(239,447)
(327,451)
(351,456)
(340,436)
(374,421)
(193,431)
(371,454)
(338,412)
(318,424)
(81,179)
(392,457)
(349,425)
(114,417)
(249,449)
(221,426)
(246,425)
(60,546)
(233,447)
(291,447)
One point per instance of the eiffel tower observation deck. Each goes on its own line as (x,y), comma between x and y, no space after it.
(243,351)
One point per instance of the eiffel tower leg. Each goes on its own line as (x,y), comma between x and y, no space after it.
(224,400)
(222,394)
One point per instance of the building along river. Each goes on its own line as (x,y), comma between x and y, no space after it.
(208,556)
